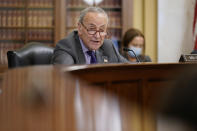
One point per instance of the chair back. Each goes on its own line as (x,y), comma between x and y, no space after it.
(33,53)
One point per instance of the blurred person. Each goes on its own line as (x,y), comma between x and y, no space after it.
(134,39)
(88,45)
(178,106)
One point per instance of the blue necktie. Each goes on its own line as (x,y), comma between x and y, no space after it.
(92,57)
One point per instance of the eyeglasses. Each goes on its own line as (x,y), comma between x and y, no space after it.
(93,32)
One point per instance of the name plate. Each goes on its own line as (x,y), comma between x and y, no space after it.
(188,58)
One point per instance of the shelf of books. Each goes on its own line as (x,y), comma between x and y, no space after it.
(112,7)
(23,21)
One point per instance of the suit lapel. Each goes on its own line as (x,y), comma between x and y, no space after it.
(80,54)
(101,58)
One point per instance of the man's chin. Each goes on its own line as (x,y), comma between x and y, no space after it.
(95,47)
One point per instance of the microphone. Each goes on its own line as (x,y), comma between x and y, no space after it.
(127,49)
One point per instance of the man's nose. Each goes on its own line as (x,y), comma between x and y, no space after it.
(97,35)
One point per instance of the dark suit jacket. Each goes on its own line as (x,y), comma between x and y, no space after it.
(69,51)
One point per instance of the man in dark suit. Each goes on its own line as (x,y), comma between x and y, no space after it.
(88,45)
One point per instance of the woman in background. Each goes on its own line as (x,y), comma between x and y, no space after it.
(134,40)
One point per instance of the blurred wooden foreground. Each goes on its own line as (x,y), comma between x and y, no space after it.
(114,97)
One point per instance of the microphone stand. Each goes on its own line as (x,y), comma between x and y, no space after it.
(127,49)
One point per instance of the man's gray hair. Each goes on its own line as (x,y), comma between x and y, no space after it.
(91,9)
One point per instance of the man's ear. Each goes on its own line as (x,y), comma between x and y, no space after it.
(79,28)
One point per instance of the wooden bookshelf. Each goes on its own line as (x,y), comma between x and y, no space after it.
(23,21)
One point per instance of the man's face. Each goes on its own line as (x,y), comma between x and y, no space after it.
(92,30)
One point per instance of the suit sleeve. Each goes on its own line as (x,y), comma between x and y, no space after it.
(61,56)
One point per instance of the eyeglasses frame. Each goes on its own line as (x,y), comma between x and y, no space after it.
(93,30)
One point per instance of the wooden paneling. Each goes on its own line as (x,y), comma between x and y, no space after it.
(3,68)
(127,14)
(60,15)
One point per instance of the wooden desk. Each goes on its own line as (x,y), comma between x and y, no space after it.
(42,98)
(140,83)
(115,97)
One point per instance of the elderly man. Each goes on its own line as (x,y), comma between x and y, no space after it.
(88,45)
